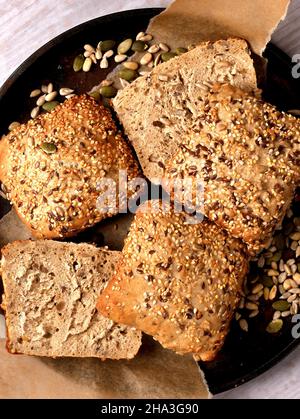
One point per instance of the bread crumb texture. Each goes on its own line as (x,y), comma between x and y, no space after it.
(178,282)
(51,289)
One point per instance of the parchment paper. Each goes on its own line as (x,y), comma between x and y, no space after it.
(191,21)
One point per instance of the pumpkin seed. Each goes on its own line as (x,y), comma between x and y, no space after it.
(49,148)
(281,305)
(166,56)
(132,65)
(49,106)
(78,63)
(127,74)
(274,326)
(107,45)
(108,91)
(124,46)
(87,64)
(267,281)
(139,46)
(120,57)
(95,95)
(276,257)
(35,93)
(13,125)
(181,50)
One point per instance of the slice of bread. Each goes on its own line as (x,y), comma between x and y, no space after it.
(157,109)
(52,166)
(178,282)
(246,155)
(50,293)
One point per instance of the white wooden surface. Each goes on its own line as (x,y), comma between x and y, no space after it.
(25,25)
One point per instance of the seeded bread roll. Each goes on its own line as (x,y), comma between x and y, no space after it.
(51,167)
(50,297)
(178,282)
(157,109)
(246,154)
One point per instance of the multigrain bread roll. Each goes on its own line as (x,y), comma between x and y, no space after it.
(50,297)
(178,282)
(246,154)
(157,109)
(51,167)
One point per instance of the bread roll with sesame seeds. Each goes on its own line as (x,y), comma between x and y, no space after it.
(156,109)
(51,289)
(246,154)
(51,167)
(178,282)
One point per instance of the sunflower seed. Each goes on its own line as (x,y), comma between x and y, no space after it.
(87,54)
(104,63)
(64,91)
(151,64)
(44,88)
(108,54)
(35,93)
(154,49)
(261,262)
(163,77)
(93,58)
(132,65)
(253,314)
(120,57)
(164,47)
(124,83)
(298,252)
(41,100)
(157,59)
(98,54)
(273,293)
(35,111)
(13,125)
(295,291)
(266,293)
(257,289)
(251,306)
(146,58)
(286,313)
(292,298)
(87,64)
(282,277)
(273,272)
(140,35)
(238,316)
(294,308)
(50,88)
(89,48)
(106,83)
(69,96)
(296,278)
(285,296)
(277,315)
(146,38)
(287,269)
(50,96)
(242,303)
(295,236)
(244,325)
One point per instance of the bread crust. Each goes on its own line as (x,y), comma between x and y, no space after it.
(178,282)
(246,155)
(55,194)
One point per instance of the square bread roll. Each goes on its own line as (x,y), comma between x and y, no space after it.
(246,154)
(178,282)
(51,167)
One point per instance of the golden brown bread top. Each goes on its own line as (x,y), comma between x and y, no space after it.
(51,166)
(178,282)
(247,155)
